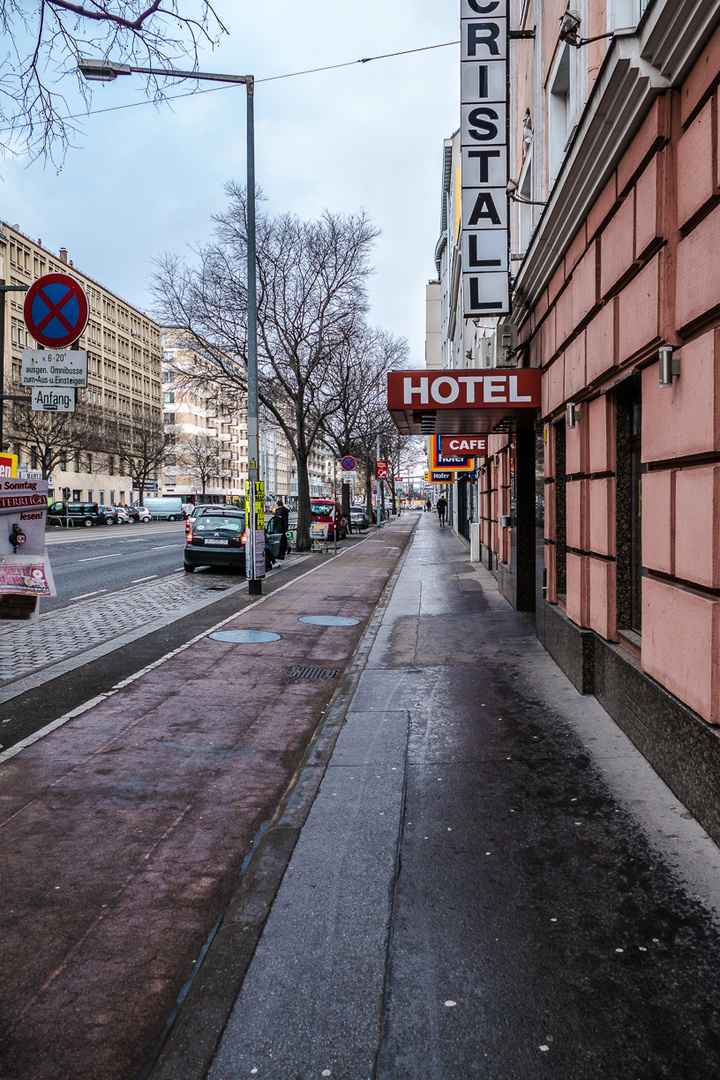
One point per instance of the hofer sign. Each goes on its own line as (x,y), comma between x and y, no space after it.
(482,389)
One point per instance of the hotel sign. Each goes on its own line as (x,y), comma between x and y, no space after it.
(484,151)
(464,389)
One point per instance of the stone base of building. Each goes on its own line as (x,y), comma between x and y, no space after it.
(682,747)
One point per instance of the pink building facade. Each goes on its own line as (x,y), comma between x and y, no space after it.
(605,520)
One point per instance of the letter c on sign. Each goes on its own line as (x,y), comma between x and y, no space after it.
(437,395)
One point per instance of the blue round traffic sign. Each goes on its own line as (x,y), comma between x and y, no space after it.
(56,310)
(348,463)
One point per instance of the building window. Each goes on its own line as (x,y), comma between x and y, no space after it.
(77,495)
(33,457)
(629,507)
(168,398)
(89,463)
(90,496)
(76,464)
(169,417)
(559,113)
(101,497)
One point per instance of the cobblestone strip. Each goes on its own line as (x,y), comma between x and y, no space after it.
(59,635)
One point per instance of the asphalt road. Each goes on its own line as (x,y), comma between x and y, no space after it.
(89,562)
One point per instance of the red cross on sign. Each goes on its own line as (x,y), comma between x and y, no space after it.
(56,310)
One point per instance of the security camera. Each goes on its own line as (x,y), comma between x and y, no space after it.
(569,27)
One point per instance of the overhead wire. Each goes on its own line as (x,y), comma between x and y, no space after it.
(268,78)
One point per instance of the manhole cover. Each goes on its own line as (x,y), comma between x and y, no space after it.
(328,620)
(313,673)
(244,637)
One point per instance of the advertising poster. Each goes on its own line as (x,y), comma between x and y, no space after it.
(25,572)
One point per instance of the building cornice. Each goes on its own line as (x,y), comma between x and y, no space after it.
(637,68)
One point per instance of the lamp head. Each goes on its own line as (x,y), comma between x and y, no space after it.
(101,70)
(570,27)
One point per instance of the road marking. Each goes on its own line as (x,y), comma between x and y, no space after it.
(95,558)
(137,580)
(85,595)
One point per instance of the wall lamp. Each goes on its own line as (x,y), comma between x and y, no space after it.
(513,193)
(570,30)
(669,364)
(572,414)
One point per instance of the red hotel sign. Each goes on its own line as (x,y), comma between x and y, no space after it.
(487,388)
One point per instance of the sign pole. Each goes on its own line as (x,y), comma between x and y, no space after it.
(335,500)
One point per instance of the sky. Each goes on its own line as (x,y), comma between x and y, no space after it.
(142,181)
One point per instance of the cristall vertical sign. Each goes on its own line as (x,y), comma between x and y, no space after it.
(484,149)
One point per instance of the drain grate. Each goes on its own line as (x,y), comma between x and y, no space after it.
(313,673)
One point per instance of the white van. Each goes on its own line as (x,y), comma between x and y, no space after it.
(163,508)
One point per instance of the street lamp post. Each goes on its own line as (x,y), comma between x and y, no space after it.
(106,71)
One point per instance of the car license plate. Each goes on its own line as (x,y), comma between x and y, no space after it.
(216,542)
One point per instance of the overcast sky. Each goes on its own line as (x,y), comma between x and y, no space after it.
(144,180)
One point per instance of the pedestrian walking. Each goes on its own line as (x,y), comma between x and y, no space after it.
(428,506)
(281,518)
(442,509)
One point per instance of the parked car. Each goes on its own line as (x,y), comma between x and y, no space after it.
(358,517)
(123,518)
(108,515)
(73,513)
(216,537)
(138,513)
(321,510)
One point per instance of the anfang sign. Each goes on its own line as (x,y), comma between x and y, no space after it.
(484,150)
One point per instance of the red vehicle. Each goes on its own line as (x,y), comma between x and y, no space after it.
(322,510)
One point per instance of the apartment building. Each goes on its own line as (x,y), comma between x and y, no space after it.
(207,458)
(123,347)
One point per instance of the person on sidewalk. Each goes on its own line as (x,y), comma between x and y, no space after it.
(281,518)
(428,506)
(442,509)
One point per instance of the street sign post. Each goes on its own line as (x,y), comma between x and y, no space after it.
(52,367)
(56,310)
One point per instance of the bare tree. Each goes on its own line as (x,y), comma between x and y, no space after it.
(311,302)
(45,39)
(201,457)
(142,448)
(358,378)
(51,436)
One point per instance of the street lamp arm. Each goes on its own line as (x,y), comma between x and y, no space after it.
(98,70)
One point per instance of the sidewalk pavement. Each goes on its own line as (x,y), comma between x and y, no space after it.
(491,882)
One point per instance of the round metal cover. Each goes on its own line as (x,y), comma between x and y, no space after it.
(328,620)
(245,637)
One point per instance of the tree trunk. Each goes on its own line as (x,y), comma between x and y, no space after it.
(302,538)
